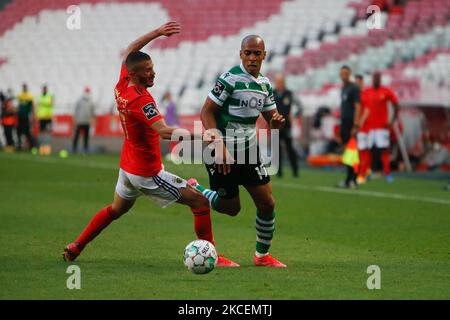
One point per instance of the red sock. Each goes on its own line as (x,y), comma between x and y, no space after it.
(385,160)
(365,162)
(99,222)
(202,224)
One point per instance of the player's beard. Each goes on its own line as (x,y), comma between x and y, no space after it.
(147,82)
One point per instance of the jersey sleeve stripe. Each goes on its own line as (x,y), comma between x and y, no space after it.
(215,99)
(228,86)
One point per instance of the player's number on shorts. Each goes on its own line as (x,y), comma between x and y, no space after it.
(262,171)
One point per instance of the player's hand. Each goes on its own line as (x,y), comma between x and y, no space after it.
(170,28)
(354,131)
(212,135)
(277,121)
(223,159)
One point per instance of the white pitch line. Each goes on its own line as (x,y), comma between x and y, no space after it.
(375,194)
(365,193)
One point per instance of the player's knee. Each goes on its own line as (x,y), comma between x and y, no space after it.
(203,201)
(267,206)
(117,212)
(234,211)
(199,201)
(233,208)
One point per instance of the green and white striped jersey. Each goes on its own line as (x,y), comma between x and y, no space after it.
(241,98)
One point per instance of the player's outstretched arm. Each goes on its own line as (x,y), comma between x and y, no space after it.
(164,131)
(168,29)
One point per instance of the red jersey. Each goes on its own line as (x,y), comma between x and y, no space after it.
(376,101)
(141,154)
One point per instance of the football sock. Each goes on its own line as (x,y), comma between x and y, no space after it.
(265,227)
(212,196)
(99,222)
(385,160)
(202,224)
(365,162)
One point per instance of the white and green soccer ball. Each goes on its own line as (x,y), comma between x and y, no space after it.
(200,256)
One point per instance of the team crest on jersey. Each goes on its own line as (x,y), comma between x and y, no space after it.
(287,101)
(177,180)
(247,85)
(263,87)
(150,111)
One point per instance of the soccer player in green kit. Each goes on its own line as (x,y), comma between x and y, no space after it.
(235,103)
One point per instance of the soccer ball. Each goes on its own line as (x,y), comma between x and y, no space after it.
(200,256)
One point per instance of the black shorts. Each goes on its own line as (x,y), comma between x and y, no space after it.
(45,125)
(227,186)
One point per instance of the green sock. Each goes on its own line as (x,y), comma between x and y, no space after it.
(265,227)
(211,195)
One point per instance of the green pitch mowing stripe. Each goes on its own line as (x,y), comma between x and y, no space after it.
(376,194)
(327,238)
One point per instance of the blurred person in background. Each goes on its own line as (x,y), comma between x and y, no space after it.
(44,115)
(350,110)
(2,100)
(376,98)
(8,117)
(26,118)
(171,117)
(171,110)
(284,100)
(323,137)
(84,117)
(363,135)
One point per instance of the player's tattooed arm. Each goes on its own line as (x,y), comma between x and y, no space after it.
(168,29)
(274,119)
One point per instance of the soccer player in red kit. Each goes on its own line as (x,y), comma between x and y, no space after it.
(363,133)
(376,99)
(141,170)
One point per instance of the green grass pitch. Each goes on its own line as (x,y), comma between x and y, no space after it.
(328,238)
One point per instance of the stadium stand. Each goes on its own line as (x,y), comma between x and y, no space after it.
(89,55)
(306,40)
